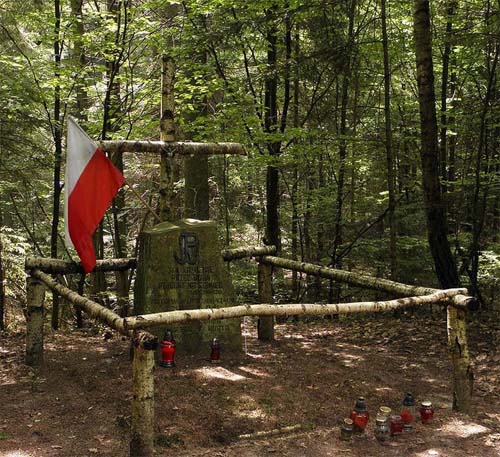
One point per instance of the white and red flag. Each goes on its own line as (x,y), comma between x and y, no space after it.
(91,183)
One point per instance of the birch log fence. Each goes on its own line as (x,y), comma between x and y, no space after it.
(457,301)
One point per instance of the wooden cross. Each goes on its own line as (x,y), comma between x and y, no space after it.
(171,149)
(183,148)
(168,147)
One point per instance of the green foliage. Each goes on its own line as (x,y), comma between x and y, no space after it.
(489,274)
(15,249)
(490,261)
(222,74)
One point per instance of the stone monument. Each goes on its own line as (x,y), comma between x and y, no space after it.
(180,267)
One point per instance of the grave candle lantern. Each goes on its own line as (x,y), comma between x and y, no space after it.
(384,413)
(167,350)
(215,354)
(360,415)
(381,429)
(346,430)
(396,425)
(426,412)
(408,412)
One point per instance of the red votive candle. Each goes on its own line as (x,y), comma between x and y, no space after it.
(215,354)
(426,412)
(167,350)
(396,425)
(408,412)
(360,415)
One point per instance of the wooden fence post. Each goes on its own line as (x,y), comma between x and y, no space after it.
(35,295)
(265,324)
(143,408)
(463,376)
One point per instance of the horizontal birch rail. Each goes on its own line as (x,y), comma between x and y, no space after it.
(172,317)
(92,308)
(57,266)
(273,432)
(465,302)
(368,282)
(172,147)
(355,279)
(247,251)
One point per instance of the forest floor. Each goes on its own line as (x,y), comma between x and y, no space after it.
(79,403)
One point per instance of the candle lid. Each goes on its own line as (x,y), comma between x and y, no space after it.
(409,400)
(426,404)
(168,335)
(360,404)
(348,422)
(385,410)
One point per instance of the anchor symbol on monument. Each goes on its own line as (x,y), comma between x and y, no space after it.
(189,249)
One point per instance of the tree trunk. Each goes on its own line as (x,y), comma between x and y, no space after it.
(35,295)
(143,428)
(167,133)
(265,325)
(391,181)
(495,223)
(294,233)
(310,186)
(112,110)
(339,202)
(334,293)
(443,134)
(270,127)
(462,369)
(320,228)
(451,144)
(436,217)
(82,102)
(225,190)
(196,191)
(57,136)
(295,173)
(2,279)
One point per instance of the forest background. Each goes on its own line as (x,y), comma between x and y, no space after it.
(326,98)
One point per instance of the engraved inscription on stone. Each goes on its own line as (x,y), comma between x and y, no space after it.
(180,267)
(204,276)
(188,247)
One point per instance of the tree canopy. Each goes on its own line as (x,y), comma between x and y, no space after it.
(326,96)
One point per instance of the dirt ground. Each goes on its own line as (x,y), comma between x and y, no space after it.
(79,403)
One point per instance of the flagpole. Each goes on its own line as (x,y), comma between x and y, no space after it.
(144,202)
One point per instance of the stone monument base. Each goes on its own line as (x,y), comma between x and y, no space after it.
(180,267)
